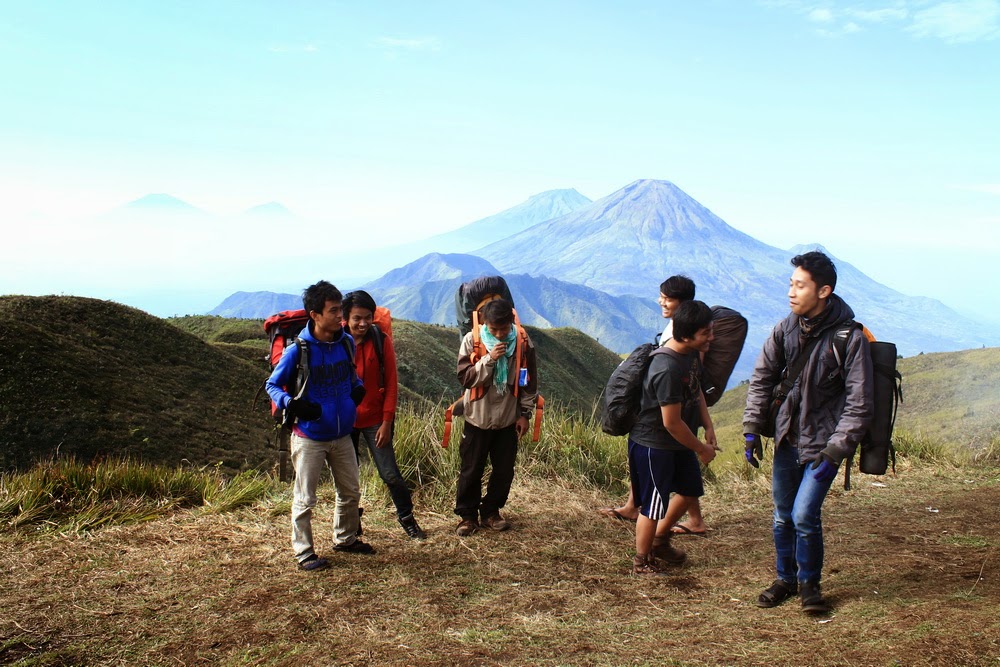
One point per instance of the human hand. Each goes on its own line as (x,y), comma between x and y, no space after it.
(498,351)
(711,439)
(521,427)
(754,449)
(706,453)
(303,409)
(383,436)
(825,468)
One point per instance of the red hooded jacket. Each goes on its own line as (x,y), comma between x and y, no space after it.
(379,404)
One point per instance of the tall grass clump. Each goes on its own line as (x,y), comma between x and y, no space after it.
(930,450)
(64,494)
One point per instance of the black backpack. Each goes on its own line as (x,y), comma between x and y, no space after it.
(623,391)
(876,446)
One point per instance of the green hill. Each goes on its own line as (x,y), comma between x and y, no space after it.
(951,397)
(92,378)
(573,367)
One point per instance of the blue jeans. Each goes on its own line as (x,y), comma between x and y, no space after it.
(798,529)
(384,459)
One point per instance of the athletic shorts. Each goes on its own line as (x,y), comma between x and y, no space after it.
(656,473)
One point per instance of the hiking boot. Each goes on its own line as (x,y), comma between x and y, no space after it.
(668,554)
(813,601)
(645,564)
(467,527)
(409,524)
(314,564)
(777,593)
(496,522)
(355,547)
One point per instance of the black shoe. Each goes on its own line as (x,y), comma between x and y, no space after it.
(409,524)
(777,593)
(355,547)
(813,601)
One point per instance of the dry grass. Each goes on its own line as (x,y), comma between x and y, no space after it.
(222,589)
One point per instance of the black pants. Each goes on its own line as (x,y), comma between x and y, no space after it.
(478,445)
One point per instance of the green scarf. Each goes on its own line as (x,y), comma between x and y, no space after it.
(500,374)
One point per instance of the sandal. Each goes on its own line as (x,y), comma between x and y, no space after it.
(813,601)
(777,593)
(613,513)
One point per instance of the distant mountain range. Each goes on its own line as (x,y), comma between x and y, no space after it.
(597,266)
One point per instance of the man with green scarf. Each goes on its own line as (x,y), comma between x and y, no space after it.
(500,378)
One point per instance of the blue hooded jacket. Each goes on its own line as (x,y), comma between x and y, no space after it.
(331,379)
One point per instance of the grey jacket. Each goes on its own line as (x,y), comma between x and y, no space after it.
(494,410)
(830,406)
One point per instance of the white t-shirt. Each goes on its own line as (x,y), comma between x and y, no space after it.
(668,333)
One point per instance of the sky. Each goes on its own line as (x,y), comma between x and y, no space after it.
(867,126)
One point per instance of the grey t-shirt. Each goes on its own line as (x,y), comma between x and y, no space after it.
(671,378)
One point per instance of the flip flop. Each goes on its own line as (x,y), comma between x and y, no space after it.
(681,529)
(612,513)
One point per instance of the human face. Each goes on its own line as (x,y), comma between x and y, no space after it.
(498,331)
(804,297)
(359,321)
(703,338)
(328,323)
(668,304)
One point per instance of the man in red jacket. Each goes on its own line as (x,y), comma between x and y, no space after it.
(377,411)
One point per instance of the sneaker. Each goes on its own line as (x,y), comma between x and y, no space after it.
(355,547)
(467,527)
(813,601)
(645,564)
(667,553)
(314,564)
(496,522)
(409,524)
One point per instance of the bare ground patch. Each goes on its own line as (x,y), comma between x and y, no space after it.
(911,567)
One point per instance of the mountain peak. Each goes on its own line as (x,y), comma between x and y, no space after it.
(160,202)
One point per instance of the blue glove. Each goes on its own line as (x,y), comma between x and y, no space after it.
(753,447)
(825,468)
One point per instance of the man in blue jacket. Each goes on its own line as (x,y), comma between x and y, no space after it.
(322,412)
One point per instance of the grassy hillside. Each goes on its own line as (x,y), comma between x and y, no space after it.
(573,367)
(90,378)
(949,397)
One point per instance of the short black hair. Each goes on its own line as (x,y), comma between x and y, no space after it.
(678,287)
(819,266)
(498,313)
(691,316)
(358,299)
(314,297)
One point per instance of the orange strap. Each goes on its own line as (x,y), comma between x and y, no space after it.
(447,423)
(538,419)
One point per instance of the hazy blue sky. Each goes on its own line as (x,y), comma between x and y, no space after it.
(869,126)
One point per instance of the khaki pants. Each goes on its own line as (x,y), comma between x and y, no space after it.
(308,459)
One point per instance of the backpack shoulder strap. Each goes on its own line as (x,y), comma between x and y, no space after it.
(302,367)
(378,340)
(792,373)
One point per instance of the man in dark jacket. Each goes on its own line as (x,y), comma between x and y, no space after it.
(323,416)
(819,424)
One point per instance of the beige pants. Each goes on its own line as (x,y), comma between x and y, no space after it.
(308,459)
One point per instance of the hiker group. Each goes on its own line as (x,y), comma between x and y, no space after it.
(813,392)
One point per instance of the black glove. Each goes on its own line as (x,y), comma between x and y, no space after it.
(303,410)
(358,394)
(754,450)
